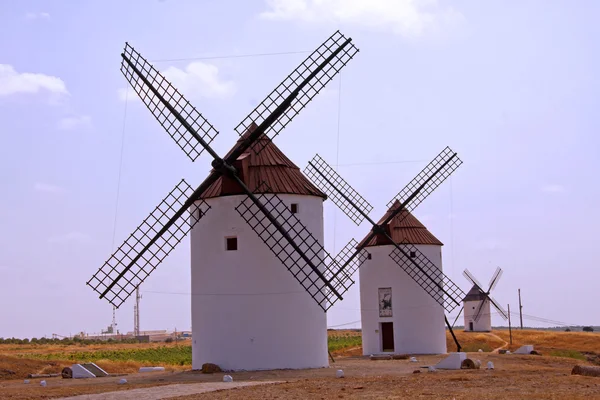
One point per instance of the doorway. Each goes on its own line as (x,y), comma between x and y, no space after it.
(387,336)
(471,325)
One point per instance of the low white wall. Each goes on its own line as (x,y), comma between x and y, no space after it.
(248,311)
(419,326)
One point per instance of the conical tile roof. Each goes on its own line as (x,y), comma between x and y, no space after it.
(270,166)
(404,228)
(474,294)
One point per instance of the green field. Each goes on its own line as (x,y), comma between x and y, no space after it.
(169,355)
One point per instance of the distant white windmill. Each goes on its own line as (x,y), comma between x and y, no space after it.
(478,316)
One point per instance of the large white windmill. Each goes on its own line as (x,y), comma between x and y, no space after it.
(477,304)
(261,279)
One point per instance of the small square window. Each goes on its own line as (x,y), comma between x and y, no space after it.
(231,243)
(294,208)
(413,254)
(368,256)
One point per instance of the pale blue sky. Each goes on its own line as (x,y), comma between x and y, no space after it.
(511,86)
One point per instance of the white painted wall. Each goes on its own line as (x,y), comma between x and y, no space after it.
(485,320)
(248,311)
(419,326)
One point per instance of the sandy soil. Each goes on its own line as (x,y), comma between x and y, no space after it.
(531,377)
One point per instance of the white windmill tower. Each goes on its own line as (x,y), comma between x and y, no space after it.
(477,304)
(403,291)
(254,305)
(249,312)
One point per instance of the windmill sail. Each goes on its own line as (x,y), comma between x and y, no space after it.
(188,128)
(138,256)
(302,84)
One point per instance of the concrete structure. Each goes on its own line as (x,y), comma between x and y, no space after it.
(79,372)
(453,361)
(525,349)
(248,311)
(398,315)
(472,302)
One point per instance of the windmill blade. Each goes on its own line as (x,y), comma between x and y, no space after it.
(426,181)
(134,260)
(479,312)
(472,279)
(188,128)
(441,288)
(338,190)
(347,258)
(325,282)
(495,279)
(303,84)
(498,307)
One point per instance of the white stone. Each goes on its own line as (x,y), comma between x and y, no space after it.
(152,369)
(526,349)
(453,361)
(122,381)
(227,378)
(79,371)
(413,359)
(339,373)
(26,381)
(418,328)
(251,329)
(490,365)
(43,383)
(481,351)
(508,352)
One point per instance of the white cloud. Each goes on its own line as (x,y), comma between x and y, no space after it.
(197,80)
(75,122)
(553,188)
(47,188)
(12,82)
(71,237)
(41,15)
(408,18)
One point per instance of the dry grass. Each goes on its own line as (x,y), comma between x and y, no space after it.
(551,340)
(515,376)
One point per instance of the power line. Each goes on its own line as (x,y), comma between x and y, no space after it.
(281,53)
(337,151)
(381,163)
(222,294)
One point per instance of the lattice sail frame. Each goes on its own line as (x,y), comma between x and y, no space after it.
(140,237)
(293,80)
(174,127)
(432,176)
(327,179)
(443,290)
(303,238)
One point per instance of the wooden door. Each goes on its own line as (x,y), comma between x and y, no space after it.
(387,336)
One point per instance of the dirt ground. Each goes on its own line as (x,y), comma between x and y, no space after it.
(515,376)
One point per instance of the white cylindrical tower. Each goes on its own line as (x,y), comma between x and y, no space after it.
(398,315)
(472,302)
(248,310)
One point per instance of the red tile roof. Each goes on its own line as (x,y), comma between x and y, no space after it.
(271,166)
(403,228)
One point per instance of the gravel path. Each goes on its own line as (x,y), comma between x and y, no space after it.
(167,391)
